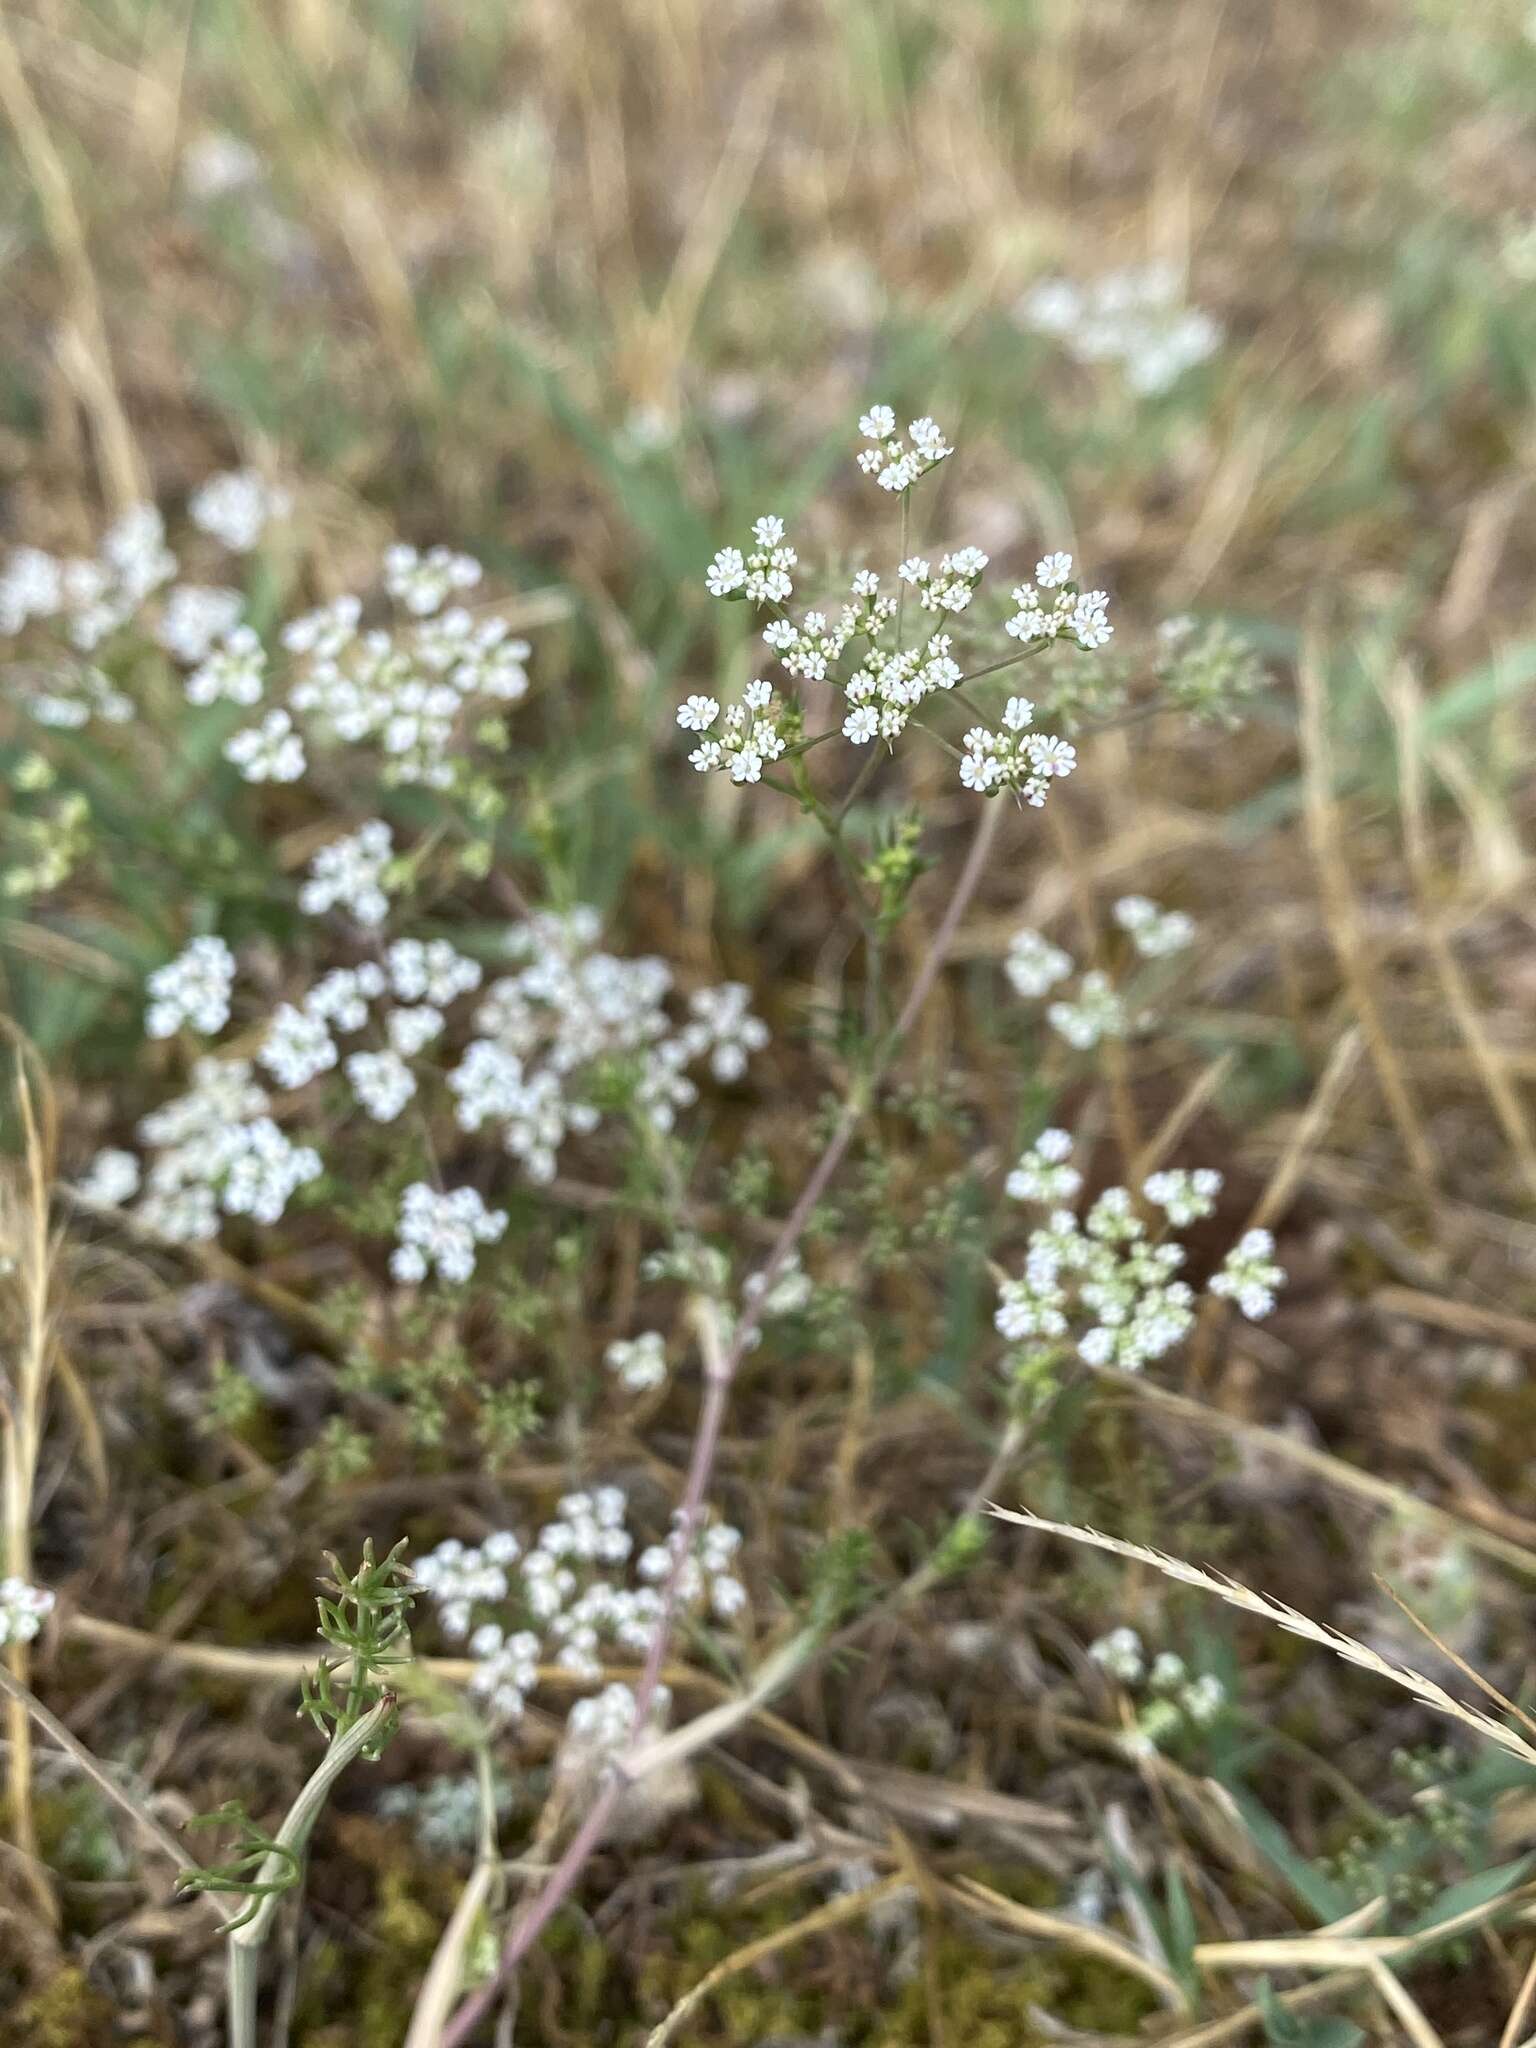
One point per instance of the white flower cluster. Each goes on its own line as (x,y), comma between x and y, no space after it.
(234,673)
(1015,758)
(1134,318)
(405,689)
(707,1578)
(1053,608)
(237,507)
(894,464)
(1177,1702)
(638,1363)
(563,1599)
(1045,1173)
(423,583)
(887,687)
(1120,1654)
(597,1728)
(111,1179)
(744,740)
(350,871)
(1098,1012)
(439,1232)
(762,574)
(1249,1275)
(1154,932)
(194,618)
(1102,1285)
(193,989)
(91,598)
(951,587)
(1034,965)
(543,1036)
(887,680)
(217,1147)
(269,752)
(23,1610)
(70,701)
(571,1008)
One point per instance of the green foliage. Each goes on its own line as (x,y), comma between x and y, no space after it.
(364,1617)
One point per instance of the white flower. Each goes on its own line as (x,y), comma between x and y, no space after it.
(441,1231)
(1042,1174)
(640,1363)
(23,1610)
(432,970)
(350,871)
(342,996)
(725,1029)
(1053,571)
(412,1028)
(111,1179)
(1121,1654)
(697,714)
(1015,758)
(31,587)
(269,752)
(1034,965)
(265,1172)
(195,618)
(1154,932)
(1249,1275)
(1183,1197)
(297,1047)
(422,583)
(894,465)
(193,989)
(1097,1013)
(727,573)
(1203,1699)
(232,673)
(237,506)
(382,1083)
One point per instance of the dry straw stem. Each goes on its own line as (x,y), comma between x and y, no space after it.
(81,341)
(1291,1620)
(1464,1318)
(28,1245)
(1337,1472)
(1098,1942)
(853,1906)
(161,1837)
(1405,702)
(1346,929)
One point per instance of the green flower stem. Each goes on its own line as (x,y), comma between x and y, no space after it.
(247,1942)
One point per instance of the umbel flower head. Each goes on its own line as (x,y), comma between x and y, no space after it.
(889,680)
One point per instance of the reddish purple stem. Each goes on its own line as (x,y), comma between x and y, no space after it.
(719,1373)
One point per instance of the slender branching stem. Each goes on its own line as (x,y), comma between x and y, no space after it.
(722,1358)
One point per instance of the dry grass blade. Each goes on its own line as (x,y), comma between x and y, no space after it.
(1346,929)
(1405,702)
(1483,1685)
(1290,1619)
(853,1906)
(27,1250)
(173,1851)
(1093,1941)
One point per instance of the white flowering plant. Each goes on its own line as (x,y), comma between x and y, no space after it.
(426,1042)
